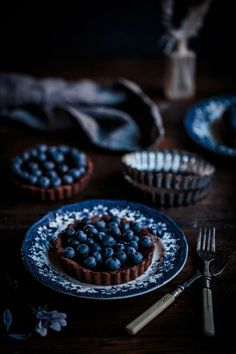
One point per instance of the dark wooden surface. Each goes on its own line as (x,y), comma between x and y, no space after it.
(98,326)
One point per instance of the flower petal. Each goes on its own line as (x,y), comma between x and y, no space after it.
(41,330)
(55,326)
(7,318)
(63,323)
(59,315)
(19,336)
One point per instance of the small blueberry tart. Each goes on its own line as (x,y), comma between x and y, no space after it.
(105,250)
(51,172)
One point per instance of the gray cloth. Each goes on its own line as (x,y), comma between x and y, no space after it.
(117,116)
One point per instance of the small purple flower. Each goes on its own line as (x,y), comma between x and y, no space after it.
(7,319)
(49,319)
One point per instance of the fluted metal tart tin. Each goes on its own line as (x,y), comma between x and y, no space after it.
(169,177)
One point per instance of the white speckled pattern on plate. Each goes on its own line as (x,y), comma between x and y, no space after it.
(201,123)
(42,263)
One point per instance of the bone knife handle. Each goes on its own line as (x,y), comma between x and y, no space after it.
(138,323)
(208,317)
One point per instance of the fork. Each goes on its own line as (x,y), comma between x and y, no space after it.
(206,251)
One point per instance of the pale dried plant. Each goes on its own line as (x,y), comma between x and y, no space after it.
(189,26)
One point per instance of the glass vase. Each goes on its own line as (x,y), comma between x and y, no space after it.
(180,69)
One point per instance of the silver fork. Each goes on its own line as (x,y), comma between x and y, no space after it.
(206,251)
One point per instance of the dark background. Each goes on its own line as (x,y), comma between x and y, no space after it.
(40,34)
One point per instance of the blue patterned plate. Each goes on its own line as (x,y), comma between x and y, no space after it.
(202,124)
(40,260)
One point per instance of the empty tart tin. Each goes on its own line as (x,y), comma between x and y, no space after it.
(169,177)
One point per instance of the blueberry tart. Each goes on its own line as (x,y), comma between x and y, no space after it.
(105,250)
(51,172)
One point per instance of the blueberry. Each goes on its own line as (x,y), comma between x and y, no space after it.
(83,249)
(73,242)
(85,220)
(17,163)
(58,157)
(24,175)
(38,173)
(136,238)
(134,244)
(97,255)
(16,169)
(128,235)
(122,256)
(52,150)
(25,155)
(116,219)
(42,148)
(100,236)
(63,168)
(69,252)
(44,182)
(63,148)
(33,179)
(82,170)
(112,225)
(130,250)
(89,228)
(81,236)
(113,263)
(70,231)
(52,173)
(75,152)
(90,241)
(92,232)
(124,227)
(95,247)
(75,173)
(108,241)
(137,227)
(42,157)
(119,247)
(80,159)
(33,166)
(49,165)
(33,152)
(145,242)
(136,258)
(56,181)
(90,262)
(108,252)
(67,179)
(100,225)
(115,232)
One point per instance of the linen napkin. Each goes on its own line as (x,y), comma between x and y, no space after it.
(116,116)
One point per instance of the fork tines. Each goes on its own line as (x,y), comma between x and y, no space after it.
(206,241)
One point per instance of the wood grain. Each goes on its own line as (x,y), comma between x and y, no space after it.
(99,326)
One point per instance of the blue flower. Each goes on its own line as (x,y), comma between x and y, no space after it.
(49,319)
(7,319)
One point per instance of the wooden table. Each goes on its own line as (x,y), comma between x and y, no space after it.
(98,326)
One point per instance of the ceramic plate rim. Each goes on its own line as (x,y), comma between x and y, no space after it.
(83,204)
(189,118)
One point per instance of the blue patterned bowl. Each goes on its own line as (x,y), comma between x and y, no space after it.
(202,124)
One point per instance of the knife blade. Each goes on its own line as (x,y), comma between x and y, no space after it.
(217,266)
